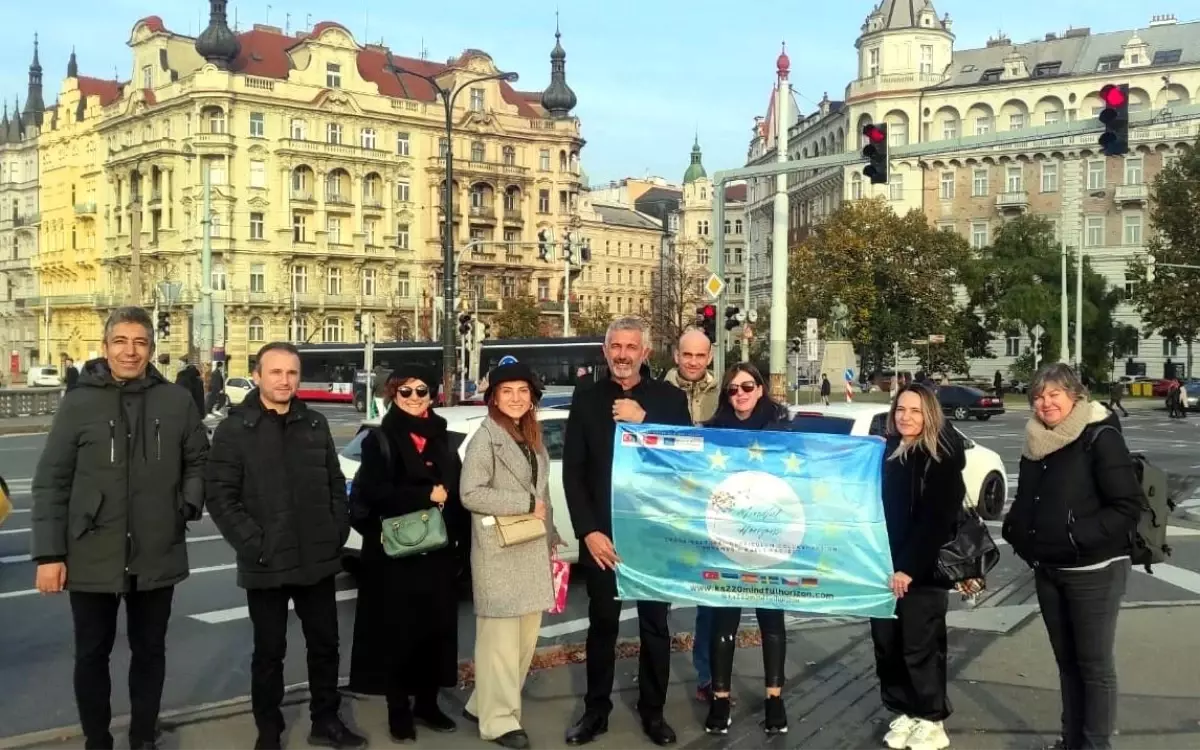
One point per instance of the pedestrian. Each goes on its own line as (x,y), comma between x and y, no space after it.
(1116,392)
(1173,399)
(277,495)
(216,389)
(628,396)
(1182,399)
(505,480)
(406,620)
(119,479)
(70,375)
(744,405)
(1078,502)
(923,490)
(998,385)
(826,389)
(693,355)
(189,377)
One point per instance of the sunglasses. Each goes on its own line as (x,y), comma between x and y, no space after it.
(747,387)
(406,391)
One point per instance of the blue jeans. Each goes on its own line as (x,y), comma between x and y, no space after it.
(702,644)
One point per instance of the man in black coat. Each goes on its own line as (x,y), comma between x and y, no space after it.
(116,484)
(629,396)
(189,377)
(279,498)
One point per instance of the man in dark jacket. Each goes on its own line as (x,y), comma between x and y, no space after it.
(629,396)
(189,378)
(70,375)
(826,389)
(216,388)
(119,478)
(279,498)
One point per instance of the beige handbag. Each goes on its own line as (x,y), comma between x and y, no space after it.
(514,530)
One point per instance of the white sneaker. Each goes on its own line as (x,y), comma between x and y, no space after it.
(928,735)
(899,730)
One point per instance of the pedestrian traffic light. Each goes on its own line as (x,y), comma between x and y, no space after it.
(1149,269)
(706,320)
(464,324)
(164,324)
(733,317)
(876,151)
(1114,141)
(545,245)
(794,345)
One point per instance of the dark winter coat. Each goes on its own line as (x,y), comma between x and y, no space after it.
(71,377)
(588,449)
(921,501)
(826,388)
(277,494)
(118,479)
(1080,504)
(189,377)
(406,620)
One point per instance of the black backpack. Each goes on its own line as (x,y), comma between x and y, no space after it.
(971,552)
(1149,540)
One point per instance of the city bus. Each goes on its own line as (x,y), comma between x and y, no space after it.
(334,372)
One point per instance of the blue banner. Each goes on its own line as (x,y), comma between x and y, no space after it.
(733,518)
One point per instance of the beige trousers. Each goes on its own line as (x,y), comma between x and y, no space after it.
(503,651)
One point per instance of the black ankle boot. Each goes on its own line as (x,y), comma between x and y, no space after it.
(718,721)
(776,716)
(400,720)
(431,715)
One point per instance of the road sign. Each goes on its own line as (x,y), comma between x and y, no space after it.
(919,342)
(811,349)
(849,374)
(714,286)
(507,359)
(810,329)
(937,338)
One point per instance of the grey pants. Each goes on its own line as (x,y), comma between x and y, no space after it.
(1080,610)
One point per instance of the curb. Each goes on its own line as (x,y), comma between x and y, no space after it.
(24,429)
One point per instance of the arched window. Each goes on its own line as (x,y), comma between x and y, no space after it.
(478,153)
(255,330)
(333,330)
(562,161)
(737,226)
(510,156)
(214,117)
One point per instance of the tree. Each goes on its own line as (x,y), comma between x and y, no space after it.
(520,318)
(673,298)
(1167,303)
(895,275)
(593,320)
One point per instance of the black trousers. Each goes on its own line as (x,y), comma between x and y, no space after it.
(910,655)
(654,661)
(95,620)
(724,644)
(317,609)
(1080,610)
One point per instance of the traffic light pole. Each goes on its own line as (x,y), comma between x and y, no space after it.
(369,361)
(718,267)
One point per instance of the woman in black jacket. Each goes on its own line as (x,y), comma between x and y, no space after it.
(923,491)
(1077,506)
(406,621)
(744,405)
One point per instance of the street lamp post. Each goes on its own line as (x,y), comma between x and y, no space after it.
(449,271)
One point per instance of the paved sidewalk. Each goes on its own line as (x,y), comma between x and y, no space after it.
(26,425)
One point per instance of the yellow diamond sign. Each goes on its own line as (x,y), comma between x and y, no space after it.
(714,286)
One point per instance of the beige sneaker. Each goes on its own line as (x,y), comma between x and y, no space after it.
(899,731)
(928,735)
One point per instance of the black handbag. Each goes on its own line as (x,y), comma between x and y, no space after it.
(971,553)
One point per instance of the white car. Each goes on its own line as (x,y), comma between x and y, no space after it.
(985,476)
(237,388)
(462,422)
(43,376)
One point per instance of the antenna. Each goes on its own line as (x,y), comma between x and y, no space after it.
(268,21)
(287,23)
(235,19)
(424,50)
(308,20)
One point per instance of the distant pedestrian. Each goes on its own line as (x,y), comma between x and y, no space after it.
(70,374)
(998,385)
(189,377)
(216,389)
(1173,400)
(120,477)
(826,389)
(1183,400)
(277,495)
(1116,392)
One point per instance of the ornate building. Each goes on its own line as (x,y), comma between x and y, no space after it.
(625,247)
(325,167)
(911,77)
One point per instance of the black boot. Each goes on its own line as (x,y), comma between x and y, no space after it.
(333,732)
(776,716)
(431,715)
(719,720)
(400,720)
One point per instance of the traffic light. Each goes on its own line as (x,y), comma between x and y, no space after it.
(733,317)
(1149,269)
(706,320)
(568,248)
(585,251)
(545,245)
(794,345)
(358,324)
(876,151)
(1114,141)
(164,324)
(464,324)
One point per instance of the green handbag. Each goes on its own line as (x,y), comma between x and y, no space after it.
(414,533)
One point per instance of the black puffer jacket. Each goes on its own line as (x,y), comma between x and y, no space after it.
(1080,504)
(121,474)
(277,494)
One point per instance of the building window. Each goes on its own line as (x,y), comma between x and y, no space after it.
(983,125)
(333,227)
(298,130)
(258,125)
(258,174)
(926,59)
(1049,177)
(367,138)
(299,228)
(510,156)
(147,76)
(1095,174)
(300,182)
(254,330)
(257,225)
(544,160)
(403,287)
(512,200)
(370,230)
(543,201)
(333,330)
(896,187)
(1170,348)
(300,279)
(1131,283)
(402,191)
(299,328)
(737,223)
(543,287)
(478,153)
(979,235)
(1017,121)
(216,120)
(898,134)
(402,236)
(216,171)
(1133,229)
(872,62)
(333,133)
(333,75)
(511,238)
(949,129)
(402,144)
(333,281)
(947,186)
(979,183)
(368,282)
(476,100)
(443,147)
(1012,346)
(1053,117)
(1015,181)
(856,186)
(258,278)
(1094,231)
(218,277)
(1133,170)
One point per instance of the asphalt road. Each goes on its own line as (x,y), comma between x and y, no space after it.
(210,643)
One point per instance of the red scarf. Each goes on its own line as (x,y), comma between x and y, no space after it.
(419,441)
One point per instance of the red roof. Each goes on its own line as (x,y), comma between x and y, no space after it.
(735,193)
(154,23)
(108,91)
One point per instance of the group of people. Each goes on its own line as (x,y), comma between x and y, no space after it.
(127,466)
(1177,399)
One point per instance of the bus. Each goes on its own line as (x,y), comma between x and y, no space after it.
(334,372)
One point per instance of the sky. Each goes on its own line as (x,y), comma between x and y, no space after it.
(650,75)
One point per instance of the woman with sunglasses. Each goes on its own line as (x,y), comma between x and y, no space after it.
(744,405)
(406,621)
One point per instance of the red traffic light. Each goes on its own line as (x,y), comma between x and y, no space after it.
(873,133)
(1113,96)
(710,311)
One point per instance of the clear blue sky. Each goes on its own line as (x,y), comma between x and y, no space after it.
(648,74)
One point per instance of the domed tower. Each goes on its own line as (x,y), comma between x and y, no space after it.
(904,36)
(558,99)
(217,44)
(695,170)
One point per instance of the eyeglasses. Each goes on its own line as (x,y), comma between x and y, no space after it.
(747,387)
(406,391)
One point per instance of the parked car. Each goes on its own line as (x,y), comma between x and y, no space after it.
(462,422)
(1193,394)
(985,475)
(237,388)
(963,402)
(43,377)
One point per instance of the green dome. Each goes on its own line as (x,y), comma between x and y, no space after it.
(695,170)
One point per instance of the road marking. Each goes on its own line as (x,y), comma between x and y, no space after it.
(575,626)
(29,558)
(1185,579)
(6,532)
(194,571)
(241,613)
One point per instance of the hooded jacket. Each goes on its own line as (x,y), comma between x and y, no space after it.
(701,395)
(121,474)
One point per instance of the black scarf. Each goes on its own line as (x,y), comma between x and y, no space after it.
(400,423)
(765,413)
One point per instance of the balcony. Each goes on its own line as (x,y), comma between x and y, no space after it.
(335,198)
(136,151)
(1017,200)
(513,216)
(482,168)
(483,214)
(213,142)
(156,196)
(302,196)
(16,264)
(372,203)
(891,82)
(556,306)
(294,146)
(1131,194)
(27,220)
